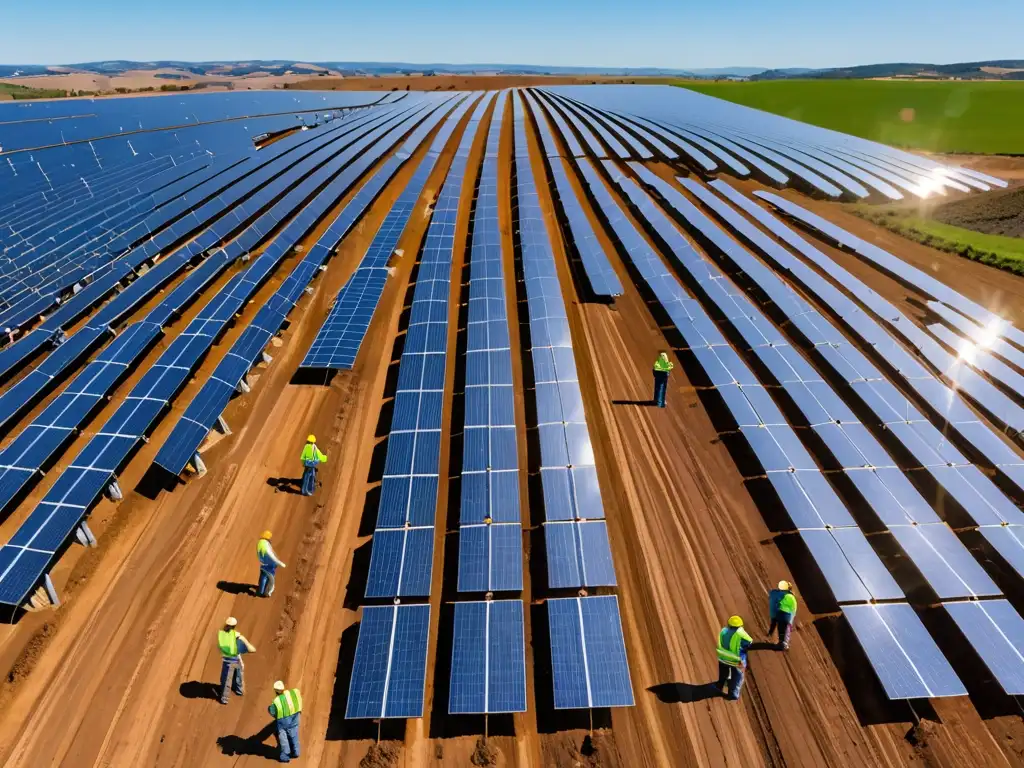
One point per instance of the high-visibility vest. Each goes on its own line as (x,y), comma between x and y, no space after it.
(663,366)
(788,604)
(731,654)
(228,642)
(311,453)
(262,548)
(288,703)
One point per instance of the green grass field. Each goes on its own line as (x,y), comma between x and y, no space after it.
(995,250)
(24,92)
(952,116)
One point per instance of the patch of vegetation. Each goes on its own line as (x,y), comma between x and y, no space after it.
(995,250)
(947,116)
(24,92)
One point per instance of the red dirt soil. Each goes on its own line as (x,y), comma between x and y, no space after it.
(122,673)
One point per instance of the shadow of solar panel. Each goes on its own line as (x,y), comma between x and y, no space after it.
(488,658)
(389,670)
(908,663)
(991,627)
(401,563)
(810,501)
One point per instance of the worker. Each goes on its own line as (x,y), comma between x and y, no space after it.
(285,709)
(662,366)
(11,333)
(232,645)
(733,643)
(59,337)
(781,612)
(269,563)
(311,458)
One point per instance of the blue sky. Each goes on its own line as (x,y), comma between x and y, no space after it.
(663,33)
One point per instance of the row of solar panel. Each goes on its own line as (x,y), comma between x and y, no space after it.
(28,554)
(203,412)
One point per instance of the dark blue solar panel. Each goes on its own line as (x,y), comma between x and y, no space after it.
(490,558)
(389,670)
(588,654)
(488,658)
(578,554)
(401,563)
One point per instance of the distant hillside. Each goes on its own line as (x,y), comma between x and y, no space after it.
(1002,69)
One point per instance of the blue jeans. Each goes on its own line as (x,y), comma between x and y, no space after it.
(231,673)
(660,387)
(733,676)
(266,587)
(288,737)
(308,480)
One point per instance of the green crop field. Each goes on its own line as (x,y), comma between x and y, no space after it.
(949,116)
(24,92)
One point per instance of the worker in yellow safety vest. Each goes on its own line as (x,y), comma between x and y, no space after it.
(733,643)
(269,563)
(781,612)
(232,645)
(662,367)
(311,458)
(285,709)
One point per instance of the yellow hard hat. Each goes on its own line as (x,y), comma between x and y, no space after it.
(735,621)
(311,439)
(279,686)
(784,585)
(266,535)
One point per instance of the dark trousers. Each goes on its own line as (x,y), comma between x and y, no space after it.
(660,387)
(785,627)
(733,676)
(231,675)
(308,480)
(288,737)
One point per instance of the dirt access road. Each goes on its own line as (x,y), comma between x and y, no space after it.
(123,672)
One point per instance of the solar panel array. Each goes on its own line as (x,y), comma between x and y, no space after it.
(490,529)
(337,343)
(91,230)
(203,412)
(24,560)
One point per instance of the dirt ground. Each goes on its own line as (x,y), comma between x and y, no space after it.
(122,674)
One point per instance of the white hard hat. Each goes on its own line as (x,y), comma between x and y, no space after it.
(279,686)
(231,621)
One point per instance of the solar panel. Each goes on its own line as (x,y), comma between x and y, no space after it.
(852,569)
(339,339)
(908,663)
(578,554)
(1008,541)
(946,563)
(401,562)
(992,628)
(488,658)
(490,558)
(588,653)
(389,670)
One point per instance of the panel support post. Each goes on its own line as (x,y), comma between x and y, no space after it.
(51,591)
(114,491)
(243,386)
(84,535)
(197,462)
(222,426)
(267,358)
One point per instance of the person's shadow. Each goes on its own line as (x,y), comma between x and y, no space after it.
(648,403)
(196,689)
(253,745)
(237,588)
(286,484)
(685,693)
